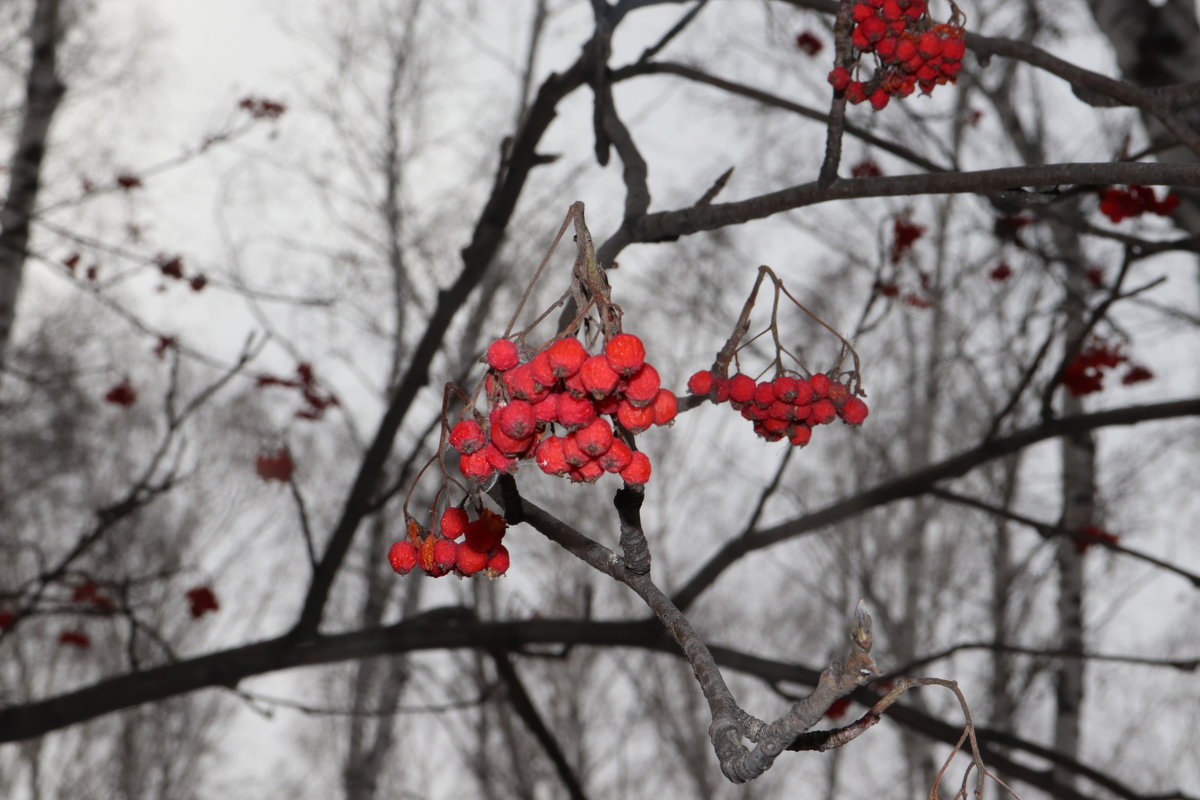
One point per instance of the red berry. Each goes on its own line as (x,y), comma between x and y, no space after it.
(588,472)
(486,532)
(764,394)
(838,393)
(625,353)
(502,355)
(508,445)
(722,390)
(566,356)
(638,471)
(616,458)
(634,419)
(853,411)
(445,553)
(929,45)
(454,522)
(542,371)
(470,560)
(596,438)
(820,384)
(497,564)
(476,466)
(856,92)
(502,462)
(546,410)
(666,406)
(550,458)
(839,79)
(516,419)
(467,437)
(872,29)
(800,436)
(741,388)
(879,99)
(643,386)
(701,382)
(785,388)
(862,11)
(823,412)
(572,452)
(598,377)
(953,48)
(575,412)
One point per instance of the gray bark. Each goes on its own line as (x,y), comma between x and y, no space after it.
(43,93)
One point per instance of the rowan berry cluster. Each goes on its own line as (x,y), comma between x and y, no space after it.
(787,407)
(437,553)
(563,388)
(1120,204)
(1085,374)
(910,51)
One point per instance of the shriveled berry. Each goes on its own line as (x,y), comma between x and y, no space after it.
(566,356)
(467,436)
(616,458)
(853,411)
(638,471)
(701,382)
(403,557)
(470,560)
(502,355)
(634,419)
(486,532)
(596,438)
(497,563)
(598,377)
(666,406)
(550,458)
(454,522)
(838,393)
(625,353)
(643,386)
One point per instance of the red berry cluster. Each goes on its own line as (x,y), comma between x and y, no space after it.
(784,408)
(1085,373)
(1120,204)
(910,51)
(437,553)
(565,386)
(1094,534)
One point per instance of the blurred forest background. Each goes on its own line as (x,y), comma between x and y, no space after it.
(242,251)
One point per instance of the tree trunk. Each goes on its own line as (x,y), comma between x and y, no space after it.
(43,92)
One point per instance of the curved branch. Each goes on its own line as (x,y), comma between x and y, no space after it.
(921,481)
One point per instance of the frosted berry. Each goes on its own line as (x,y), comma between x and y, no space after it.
(634,419)
(616,458)
(575,412)
(516,419)
(638,471)
(643,386)
(550,458)
(596,438)
(598,377)
(566,356)
(625,353)
(467,437)
(403,557)
(547,409)
(476,466)
(502,355)
(454,522)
